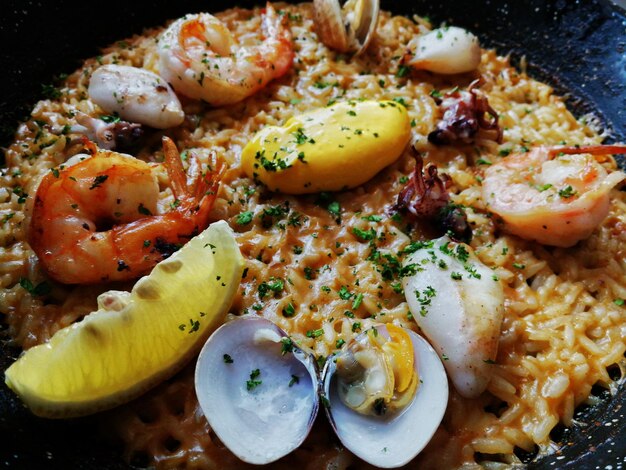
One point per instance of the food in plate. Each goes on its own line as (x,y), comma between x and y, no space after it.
(330,267)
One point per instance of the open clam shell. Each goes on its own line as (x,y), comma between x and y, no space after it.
(391,440)
(257,389)
(259,393)
(349,28)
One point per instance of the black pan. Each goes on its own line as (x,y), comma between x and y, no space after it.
(578,47)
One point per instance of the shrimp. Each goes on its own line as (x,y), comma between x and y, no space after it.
(96,220)
(556,196)
(199,57)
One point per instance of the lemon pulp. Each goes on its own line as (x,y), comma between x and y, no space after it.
(135,339)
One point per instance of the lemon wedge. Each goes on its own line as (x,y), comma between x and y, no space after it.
(135,339)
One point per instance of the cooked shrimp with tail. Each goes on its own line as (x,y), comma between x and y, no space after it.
(556,196)
(97,220)
(199,57)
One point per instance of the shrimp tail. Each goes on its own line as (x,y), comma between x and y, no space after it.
(273,24)
(207,186)
(196,201)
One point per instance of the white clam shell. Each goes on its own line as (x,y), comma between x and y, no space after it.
(446,50)
(349,29)
(264,424)
(137,95)
(392,441)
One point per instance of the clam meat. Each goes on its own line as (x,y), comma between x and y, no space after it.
(376,373)
(386,408)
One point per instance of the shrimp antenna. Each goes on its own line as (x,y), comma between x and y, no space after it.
(591,149)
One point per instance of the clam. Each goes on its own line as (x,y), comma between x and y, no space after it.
(385,392)
(257,389)
(347,28)
(386,428)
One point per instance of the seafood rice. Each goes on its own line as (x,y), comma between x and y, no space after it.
(564,315)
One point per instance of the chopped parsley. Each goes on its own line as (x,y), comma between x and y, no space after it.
(244,218)
(567,192)
(42,288)
(289,311)
(424,298)
(252,383)
(364,235)
(403,71)
(194,325)
(401,101)
(111,118)
(339,343)
(619,302)
(286,345)
(415,246)
(98,180)
(7,217)
(274,285)
(344,293)
(294,380)
(301,137)
(228,359)
(315,333)
(143,209)
(334,208)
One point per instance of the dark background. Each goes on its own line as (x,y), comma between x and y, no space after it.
(578,47)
